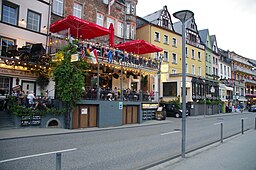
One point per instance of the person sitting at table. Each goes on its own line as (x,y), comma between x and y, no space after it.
(115,91)
(109,94)
(31,97)
(45,98)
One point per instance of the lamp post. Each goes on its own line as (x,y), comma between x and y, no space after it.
(183,16)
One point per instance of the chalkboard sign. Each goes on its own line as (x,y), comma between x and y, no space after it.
(30,120)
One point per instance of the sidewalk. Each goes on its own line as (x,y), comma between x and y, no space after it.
(235,153)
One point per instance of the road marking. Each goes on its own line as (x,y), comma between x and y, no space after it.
(167,133)
(41,154)
(218,123)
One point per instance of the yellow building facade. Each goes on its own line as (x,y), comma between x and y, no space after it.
(158,29)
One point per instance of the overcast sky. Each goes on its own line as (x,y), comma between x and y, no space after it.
(232,21)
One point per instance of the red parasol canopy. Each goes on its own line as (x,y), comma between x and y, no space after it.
(111,35)
(138,47)
(79,28)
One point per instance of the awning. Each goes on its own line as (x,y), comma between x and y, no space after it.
(79,28)
(229,88)
(138,47)
(242,100)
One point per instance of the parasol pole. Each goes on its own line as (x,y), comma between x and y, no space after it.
(98,80)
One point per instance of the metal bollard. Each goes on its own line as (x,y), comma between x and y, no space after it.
(242,126)
(221,132)
(58,161)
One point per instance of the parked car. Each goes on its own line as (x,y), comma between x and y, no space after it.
(252,108)
(173,110)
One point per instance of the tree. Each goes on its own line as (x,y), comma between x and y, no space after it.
(69,79)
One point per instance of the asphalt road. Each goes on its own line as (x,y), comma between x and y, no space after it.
(126,148)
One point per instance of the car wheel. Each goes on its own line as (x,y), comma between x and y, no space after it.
(177,115)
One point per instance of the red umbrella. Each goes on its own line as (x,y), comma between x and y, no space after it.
(111,35)
(138,47)
(79,28)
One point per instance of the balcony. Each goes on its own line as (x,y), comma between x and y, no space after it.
(242,69)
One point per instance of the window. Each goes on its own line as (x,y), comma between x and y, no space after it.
(213,70)
(193,54)
(128,31)
(166,39)
(57,7)
(225,71)
(10,13)
(221,69)
(186,51)
(120,29)
(77,10)
(157,36)
(170,89)
(186,67)
(100,19)
(174,58)
(128,8)
(199,55)
(5,43)
(174,42)
(213,60)
(132,31)
(109,21)
(166,58)
(228,71)
(4,85)
(174,71)
(199,71)
(216,62)
(33,22)
(165,22)
(193,69)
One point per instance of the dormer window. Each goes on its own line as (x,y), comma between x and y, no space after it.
(165,23)
(192,26)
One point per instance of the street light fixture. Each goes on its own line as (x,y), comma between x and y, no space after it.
(183,16)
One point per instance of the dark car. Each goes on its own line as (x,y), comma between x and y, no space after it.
(173,110)
(252,108)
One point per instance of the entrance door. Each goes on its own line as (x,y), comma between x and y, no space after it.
(130,115)
(28,86)
(88,116)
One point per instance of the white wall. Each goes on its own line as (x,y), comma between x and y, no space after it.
(22,35)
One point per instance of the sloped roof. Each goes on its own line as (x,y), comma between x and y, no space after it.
(213,39)
(177,27)
(203,35)
(153,18)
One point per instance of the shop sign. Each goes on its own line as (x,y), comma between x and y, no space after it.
(13,72)
(149,105)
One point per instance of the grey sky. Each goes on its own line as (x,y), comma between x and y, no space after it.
(232,21)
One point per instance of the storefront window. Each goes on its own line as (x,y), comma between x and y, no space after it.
(4,85)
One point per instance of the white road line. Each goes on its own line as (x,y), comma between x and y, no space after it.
(41,154)
(167,133)
(218,123)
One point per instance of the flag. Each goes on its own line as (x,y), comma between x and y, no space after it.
(96,55)
(110,53)
(93,57)
(83,53)
(88,53)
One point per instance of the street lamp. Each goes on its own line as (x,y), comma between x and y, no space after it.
(183,16)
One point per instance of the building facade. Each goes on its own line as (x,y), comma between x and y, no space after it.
(24,27)
(242,73)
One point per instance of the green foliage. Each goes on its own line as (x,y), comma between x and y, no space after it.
(19,110)
(69,77)
(175,101)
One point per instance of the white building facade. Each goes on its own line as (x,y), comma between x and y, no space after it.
(22,24)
